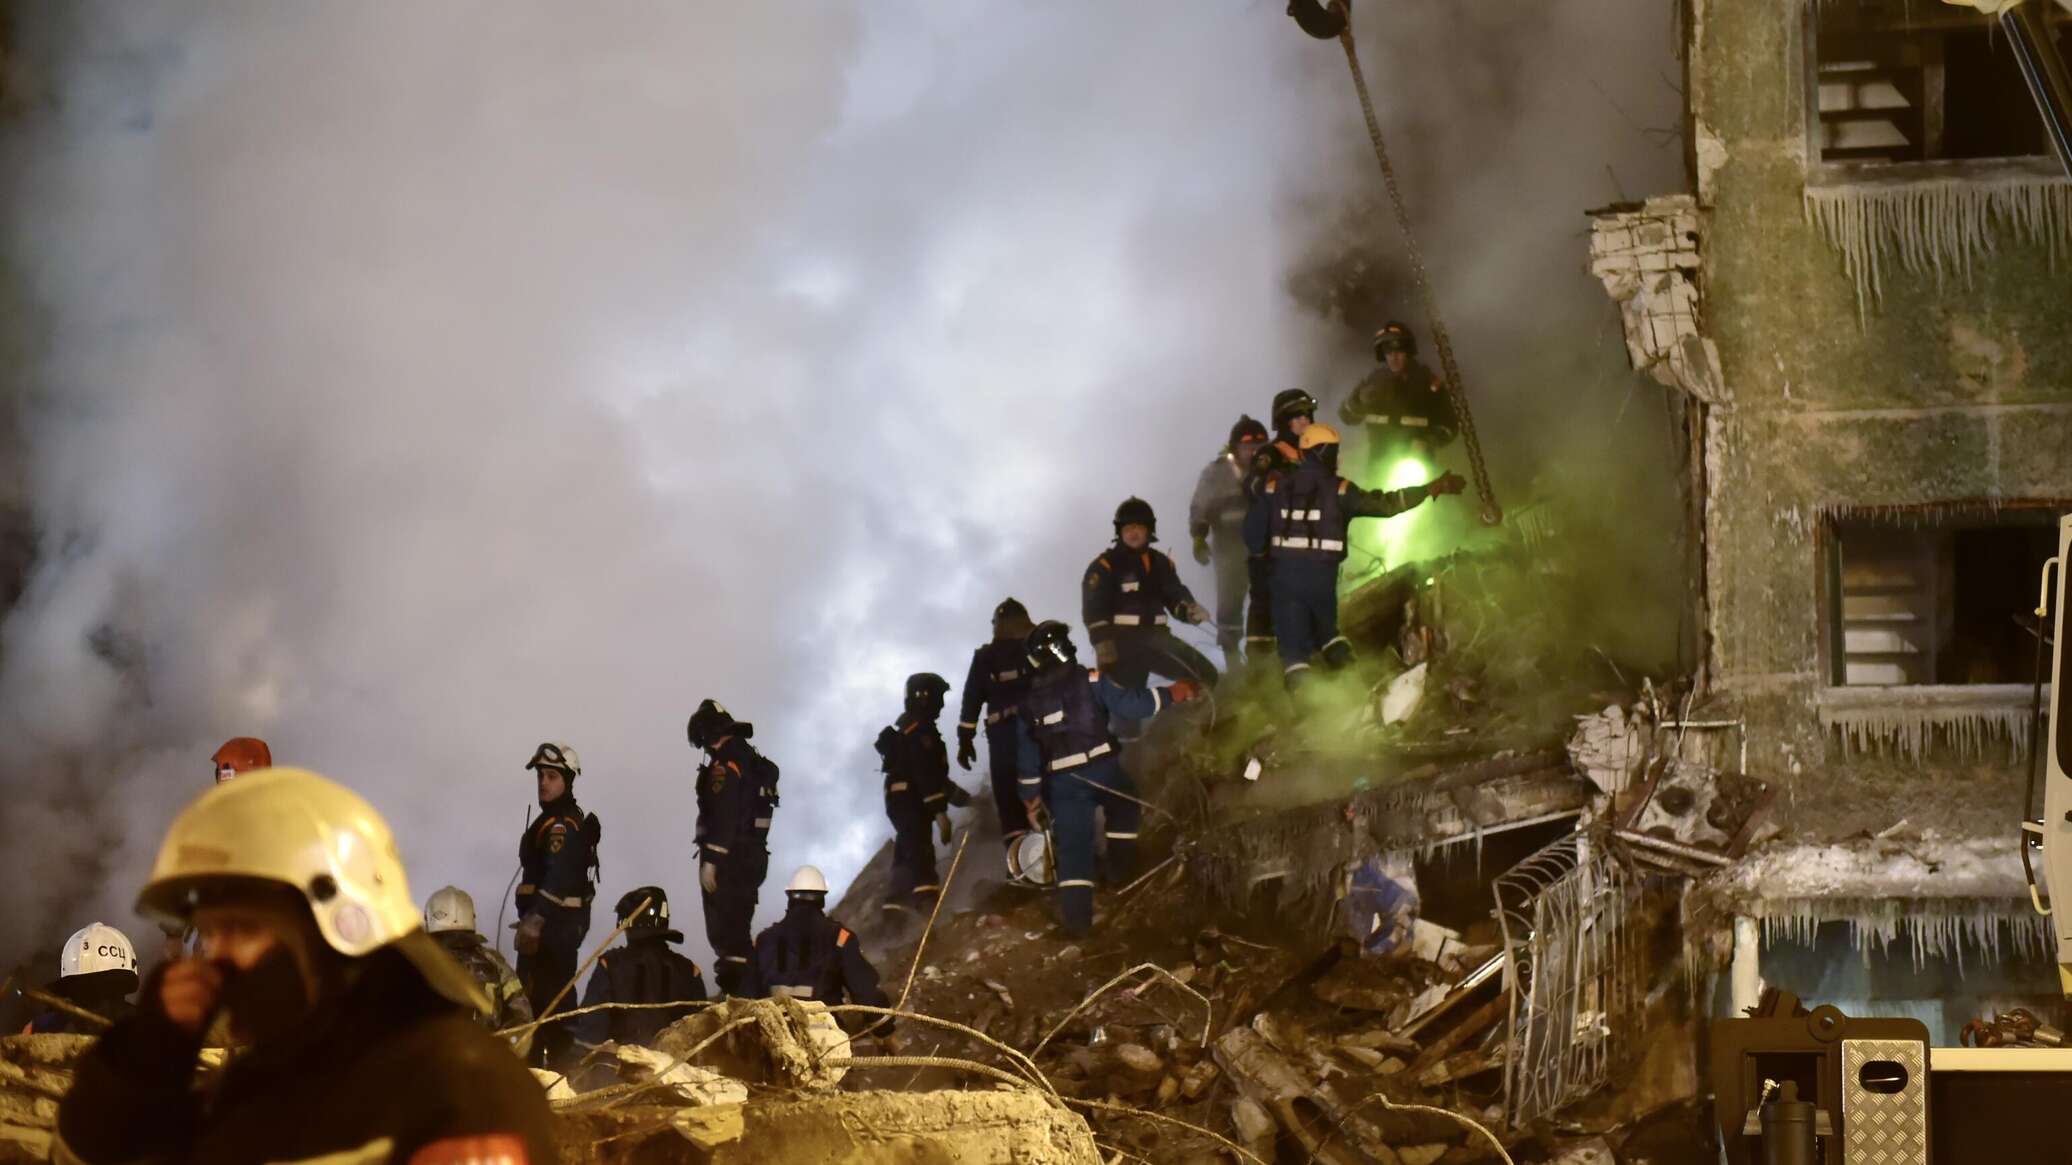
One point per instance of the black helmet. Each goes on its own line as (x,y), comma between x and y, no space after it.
(1136,512)
(653,916)
(1246,429)
(1394,337)
(926,690)
(1050,646)
(1011,620)
(712,721)
(1290,403)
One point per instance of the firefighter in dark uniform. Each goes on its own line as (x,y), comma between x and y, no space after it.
(1216,519)
(999,675)
(357,1039)
(1302,516)
(1065,739)
(557,862)
(917,792)
(1403,403)
(97,972)
(1293,411)
(645,970)
(807,955)
(1130,591)
(737,797)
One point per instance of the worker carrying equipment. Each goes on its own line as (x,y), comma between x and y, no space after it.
(993,688)
(1065,738)
(1216,519)
(1131,590)
(1302,517)
(737,800)
(644,971)
(355,1024)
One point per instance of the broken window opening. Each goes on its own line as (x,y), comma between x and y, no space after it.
(1935,596)
(1900,81)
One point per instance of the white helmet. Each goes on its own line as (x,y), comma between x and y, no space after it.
(807,880)
(449,908)
(94,948)
(558,756)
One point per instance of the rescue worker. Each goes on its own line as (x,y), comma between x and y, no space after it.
(1293,411)
(449,917)
(97,971)
(1065,738)
(1130,590)
(241,754)
(557,861)
(1403,403)
(1301,518)
(807,955)
(358,1039)
(645,970)
(1216,519)
(917,792)
(999,675)
(737,797)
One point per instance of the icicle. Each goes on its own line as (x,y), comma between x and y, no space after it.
(1937,225)
(1909,727)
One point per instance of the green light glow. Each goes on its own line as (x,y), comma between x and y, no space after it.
(1388,542)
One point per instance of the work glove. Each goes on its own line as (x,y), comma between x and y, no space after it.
(967,747)
(942,828)
(530,930)
(708,877)
(1039,813)
(1201,550)
(1447,483)
(1182,691)
(1195,613)
(1105,653)
(956,794)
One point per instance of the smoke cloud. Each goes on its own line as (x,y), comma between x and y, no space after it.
(408,384)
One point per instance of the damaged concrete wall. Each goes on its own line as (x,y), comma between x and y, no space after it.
(1953,385)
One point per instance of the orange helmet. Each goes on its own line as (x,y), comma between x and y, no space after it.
(241,754)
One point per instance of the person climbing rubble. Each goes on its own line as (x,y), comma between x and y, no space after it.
(737,800)
(1300,519)
(1216,519)
(643,971)
(449,917)
(240,755)
(998,678)
(1065,738)
(807,955)
(97,972)
(358,1042)
(557,859)
(1130,590)
(918,791)
(1293,411)
(1403,404)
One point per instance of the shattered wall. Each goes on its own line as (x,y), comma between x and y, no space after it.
(1893,341)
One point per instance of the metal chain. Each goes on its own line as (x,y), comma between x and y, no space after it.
(1492,513)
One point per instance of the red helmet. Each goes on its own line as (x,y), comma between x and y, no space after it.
(240,755)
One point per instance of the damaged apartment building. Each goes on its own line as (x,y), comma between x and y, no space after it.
(1861,313)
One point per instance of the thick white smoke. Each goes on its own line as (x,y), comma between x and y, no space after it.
(408,384)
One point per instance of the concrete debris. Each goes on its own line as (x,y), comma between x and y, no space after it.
(1379,1039)
(1196,1081)
(1328,1130)
(1610,747)
(1404,693)
(1255,1127)
(1649,262)
(1421,1154)
(686,1083)
(1590,1151)
(781,1041)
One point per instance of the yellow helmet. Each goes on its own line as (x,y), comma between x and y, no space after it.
(1319,434)
(291,827)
